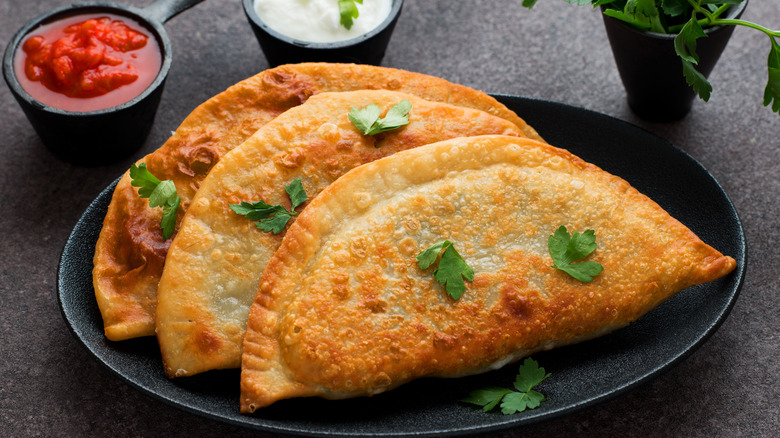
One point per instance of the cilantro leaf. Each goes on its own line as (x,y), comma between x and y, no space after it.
(349,12)
(269,217)
(524,397)
(367,119)
(566,249)
(452,268)
(160,194)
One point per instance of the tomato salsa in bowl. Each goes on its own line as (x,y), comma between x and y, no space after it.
(87,62)
(89,76)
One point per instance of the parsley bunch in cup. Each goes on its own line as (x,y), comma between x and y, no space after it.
(687,19)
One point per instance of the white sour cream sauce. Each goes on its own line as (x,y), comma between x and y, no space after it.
(319,21)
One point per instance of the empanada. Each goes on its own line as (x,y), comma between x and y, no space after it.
(131,251)
(344,310)
(214,264)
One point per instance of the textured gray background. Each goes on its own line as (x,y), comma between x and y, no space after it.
(50,386)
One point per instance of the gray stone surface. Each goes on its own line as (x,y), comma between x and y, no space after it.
(50,386)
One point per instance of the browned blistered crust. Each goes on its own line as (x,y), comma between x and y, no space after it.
(130,252)
(213,267)
(343,309)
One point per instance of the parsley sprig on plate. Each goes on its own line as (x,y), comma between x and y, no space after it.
(160,194)
(521,398)
(269,217)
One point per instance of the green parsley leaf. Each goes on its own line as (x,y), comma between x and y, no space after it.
(566,249)
(160,194)
(168,222)
(646,8)
(685,41)
(427,257)
(528,376)
(772,90)
(488,398)
(256,210)
(675,8)
(143,179)
(269,217)
(697,81)
(519,401)
(685,47)
(367,120)
(397,116)
(275,223)
(452,268)
(296,193)
(349,12)
(364,118)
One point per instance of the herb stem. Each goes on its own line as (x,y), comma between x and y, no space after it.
(713,19)
(709,17)
(726,21)
(656,25)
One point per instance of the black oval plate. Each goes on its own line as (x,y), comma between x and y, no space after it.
(583,374)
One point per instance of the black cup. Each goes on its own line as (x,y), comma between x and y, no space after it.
(107,135)
(368,48)
(651,71)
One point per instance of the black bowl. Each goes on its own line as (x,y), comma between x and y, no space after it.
(107,135)
(94,137)
(368,48)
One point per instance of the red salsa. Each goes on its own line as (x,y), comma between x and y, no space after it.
(87,62)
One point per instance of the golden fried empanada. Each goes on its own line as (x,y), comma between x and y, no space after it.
(214,264)
(131,251)
(344,309)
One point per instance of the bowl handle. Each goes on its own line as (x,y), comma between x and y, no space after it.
(164,10)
